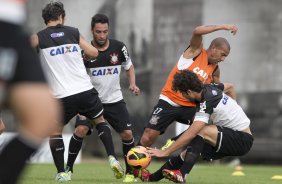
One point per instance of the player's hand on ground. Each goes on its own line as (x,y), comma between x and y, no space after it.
(135,90)
(232,28)
(156,152)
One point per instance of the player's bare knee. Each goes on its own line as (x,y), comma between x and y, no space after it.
(147,140)
(209,134)
(149,136)
(81,131)
(126,135)
(203,133)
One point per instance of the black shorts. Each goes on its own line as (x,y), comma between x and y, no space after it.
(18,60)
(115,113)
(164,114)
(229,143)
(86,103)
(117,116)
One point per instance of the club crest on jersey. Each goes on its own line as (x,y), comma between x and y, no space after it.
(114,58)
(154,120)
(214,92)
(63,50)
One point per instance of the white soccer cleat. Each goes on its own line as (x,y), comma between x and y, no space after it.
(62,177)
(116,167)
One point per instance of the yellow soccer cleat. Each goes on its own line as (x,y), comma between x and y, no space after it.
(129,178)
(116,167)
(168,143)
(238,171)
(276,177)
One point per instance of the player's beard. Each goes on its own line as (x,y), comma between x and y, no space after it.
(101,43)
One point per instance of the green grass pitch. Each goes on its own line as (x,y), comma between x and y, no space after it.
(100,173)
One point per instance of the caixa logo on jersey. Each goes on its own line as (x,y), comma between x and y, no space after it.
(202,73)
(104,71)
(63,50)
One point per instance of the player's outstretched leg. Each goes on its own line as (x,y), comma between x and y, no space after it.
(126,146)
(174,175)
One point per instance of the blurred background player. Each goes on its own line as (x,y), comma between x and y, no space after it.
(24,90)
(220,128)
(172,106)
(105,76)
(60,47)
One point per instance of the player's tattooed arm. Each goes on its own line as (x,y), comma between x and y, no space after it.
(206,29)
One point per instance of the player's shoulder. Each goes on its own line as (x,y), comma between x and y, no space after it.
(116,43)
(59,27)
(212,91)
(70,28)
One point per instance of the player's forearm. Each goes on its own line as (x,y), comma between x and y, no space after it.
(186,137)
(183,140)
(206,29)
(229,89)
(131,75)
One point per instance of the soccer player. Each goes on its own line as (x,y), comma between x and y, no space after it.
(172,106)
(60,47)
(220,128)
(105,76)
(24,90)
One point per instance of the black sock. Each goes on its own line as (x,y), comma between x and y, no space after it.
(193,152)
(172,164)
(126,146)
(13,159)
(57,149)
(74,148)
(104,133)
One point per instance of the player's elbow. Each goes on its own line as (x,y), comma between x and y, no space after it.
(198,30)
(228,87)
(93,52)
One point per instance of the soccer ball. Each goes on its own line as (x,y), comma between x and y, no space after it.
(138,157)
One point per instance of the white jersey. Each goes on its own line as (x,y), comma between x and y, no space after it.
(62,61)
(105,71)
(220,109)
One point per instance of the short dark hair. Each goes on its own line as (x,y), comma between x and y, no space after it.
(219,42)
(99,18)
(186,80)
(52,11)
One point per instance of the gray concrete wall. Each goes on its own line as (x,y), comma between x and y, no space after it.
(254,63)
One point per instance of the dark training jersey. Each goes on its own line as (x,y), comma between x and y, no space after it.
(105,71)
(218,108)
(62,61)
(19,63)
(18,60)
